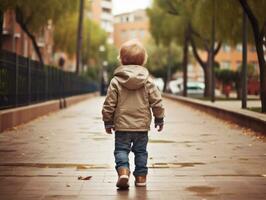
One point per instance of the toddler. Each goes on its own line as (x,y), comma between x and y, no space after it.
(127,109)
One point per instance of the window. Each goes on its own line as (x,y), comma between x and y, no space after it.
(225,65)
(141,33)
(239,47)
(138,18)
(226,48)
(133,34)
(124,35)
(106,10)
(238,63)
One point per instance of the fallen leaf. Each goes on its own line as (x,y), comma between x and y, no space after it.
(84,178)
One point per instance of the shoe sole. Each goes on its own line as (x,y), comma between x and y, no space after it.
(122,182)
(140,184)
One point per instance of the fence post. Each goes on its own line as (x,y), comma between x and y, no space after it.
(29,81)
(16,81)
(46,82)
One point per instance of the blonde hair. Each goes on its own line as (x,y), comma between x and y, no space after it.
(132,52)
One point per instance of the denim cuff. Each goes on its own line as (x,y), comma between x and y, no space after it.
(158,121)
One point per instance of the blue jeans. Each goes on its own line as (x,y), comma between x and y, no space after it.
(135,142)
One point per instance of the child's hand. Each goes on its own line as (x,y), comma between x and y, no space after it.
(109,130)
(159,126)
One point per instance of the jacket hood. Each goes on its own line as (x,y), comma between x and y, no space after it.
(132,77)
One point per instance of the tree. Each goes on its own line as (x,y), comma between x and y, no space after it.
(79,36)
(182,17)
(161,59)
(203,26)
(166,14)
(256,15)
(205,64)
(33,15)
(65,37)
(4,5)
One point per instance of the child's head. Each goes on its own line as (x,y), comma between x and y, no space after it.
(132,52)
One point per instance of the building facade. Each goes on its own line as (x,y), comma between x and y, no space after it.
(132,25)
(101,13)
(230,57)
(17,41)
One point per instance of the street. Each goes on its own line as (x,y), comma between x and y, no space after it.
(195,157)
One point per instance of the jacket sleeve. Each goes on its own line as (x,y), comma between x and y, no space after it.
(109,105)
(155,101)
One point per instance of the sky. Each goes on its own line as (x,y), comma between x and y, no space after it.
(121,6)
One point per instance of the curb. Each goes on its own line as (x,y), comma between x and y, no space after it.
(16,116)
(244,118)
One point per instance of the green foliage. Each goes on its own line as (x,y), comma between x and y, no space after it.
(160,57)
(169,19)
(250,70)
(112,54)
(37,13)
(92,73)
(227,75)
(65,37)
(163,26)
(228,20)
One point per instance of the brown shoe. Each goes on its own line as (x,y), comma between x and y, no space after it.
(140,181)
(123,177)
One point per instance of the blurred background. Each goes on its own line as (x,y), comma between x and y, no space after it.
(206,49)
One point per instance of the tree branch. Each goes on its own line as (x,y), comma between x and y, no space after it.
(195,53)
(253,20)
(1,26)
(263,33)
(204,40)
(20,21)
(28,20)
(217,48)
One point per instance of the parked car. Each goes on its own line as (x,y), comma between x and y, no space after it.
(175,86)
(193,88)
(159,83)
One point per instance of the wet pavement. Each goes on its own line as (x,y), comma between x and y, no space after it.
(195,157)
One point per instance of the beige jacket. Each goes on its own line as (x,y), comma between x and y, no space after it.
(130,98)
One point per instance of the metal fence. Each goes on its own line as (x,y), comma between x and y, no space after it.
(24,81)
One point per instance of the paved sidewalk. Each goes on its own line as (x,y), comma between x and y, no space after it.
(196,157)
(236,106)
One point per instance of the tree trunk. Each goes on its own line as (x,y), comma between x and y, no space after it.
(1,26)
(20,21)
(34,42)
(258,37)
(79,38)
(165,83)
(263,89)
(262,64)
(169,67)
(204,65)
(185,60)
(208,77)
(206,82)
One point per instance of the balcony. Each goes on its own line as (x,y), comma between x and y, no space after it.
(107,17)
(106,4)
